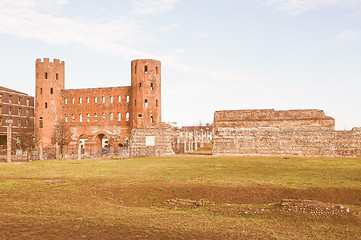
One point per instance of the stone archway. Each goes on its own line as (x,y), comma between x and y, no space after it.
(82,140)
(102,143)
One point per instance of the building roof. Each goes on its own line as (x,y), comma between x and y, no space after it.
(11,90)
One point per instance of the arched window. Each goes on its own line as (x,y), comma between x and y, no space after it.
(135,102)
(41,123)
(151,119)
(140,115)
(146,69)
(146,103)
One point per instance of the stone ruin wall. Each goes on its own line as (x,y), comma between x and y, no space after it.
(164,139)
(294,132)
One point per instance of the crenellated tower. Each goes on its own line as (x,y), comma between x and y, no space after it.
(145,98)
(50,80)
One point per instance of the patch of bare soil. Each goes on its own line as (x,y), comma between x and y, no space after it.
(145,195)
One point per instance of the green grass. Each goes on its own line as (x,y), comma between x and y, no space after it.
(125,198)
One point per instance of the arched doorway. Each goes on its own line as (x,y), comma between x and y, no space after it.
(82,140)
(102,144)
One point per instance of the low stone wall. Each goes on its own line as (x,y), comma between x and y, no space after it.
(156,140)
(293,141)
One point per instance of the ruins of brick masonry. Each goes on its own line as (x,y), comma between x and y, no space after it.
(291,132)
(99,118)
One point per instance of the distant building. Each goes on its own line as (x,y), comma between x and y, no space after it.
(20,108)
(189,138)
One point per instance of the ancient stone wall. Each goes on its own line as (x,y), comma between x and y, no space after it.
(289,137)
(272,118)
(152,141)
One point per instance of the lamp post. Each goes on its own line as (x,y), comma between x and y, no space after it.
(9,121)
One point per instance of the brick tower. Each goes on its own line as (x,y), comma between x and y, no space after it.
(49,83)
(145,96)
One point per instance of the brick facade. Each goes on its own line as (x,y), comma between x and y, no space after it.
(293,132)
(20,108)
(99,117)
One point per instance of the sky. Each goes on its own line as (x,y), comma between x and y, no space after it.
(215,54)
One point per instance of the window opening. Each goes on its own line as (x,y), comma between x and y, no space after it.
(127,116)
(140,116)
(95,117)
(80,100)
(51,91)
(119,99)
(156,70)
(111,99)
(96,99)
(146,69)
(46,75)
(151,86)
(111,116)
(103,99)
(41,123)
(66,117)
(146,103)
(88,117)
(140,85)
(87,99)
(57,76)
(119,116)
(80,118)
(66,101)
(103,117)
(46,105)
(151,119)
(73,118)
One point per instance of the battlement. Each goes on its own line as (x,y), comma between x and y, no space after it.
(46,60)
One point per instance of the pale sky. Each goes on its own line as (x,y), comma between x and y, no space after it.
(215,54)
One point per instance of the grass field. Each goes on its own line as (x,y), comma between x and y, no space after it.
(181,197)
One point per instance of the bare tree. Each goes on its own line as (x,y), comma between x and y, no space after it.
(27,143)
(61,136)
